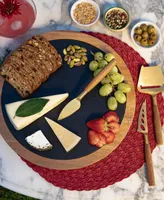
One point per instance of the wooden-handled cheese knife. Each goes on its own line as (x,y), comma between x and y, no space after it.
(75,104)
(150,79)
(143,128)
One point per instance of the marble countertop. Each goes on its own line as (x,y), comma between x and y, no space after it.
(54,15)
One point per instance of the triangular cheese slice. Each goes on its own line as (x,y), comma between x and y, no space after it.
(21,122)
(38,141)
(68,139)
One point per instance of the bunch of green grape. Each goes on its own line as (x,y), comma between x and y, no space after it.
(113,82)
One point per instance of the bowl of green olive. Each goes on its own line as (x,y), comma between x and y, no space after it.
(146,35)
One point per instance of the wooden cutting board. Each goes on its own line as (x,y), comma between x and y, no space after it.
(86,154)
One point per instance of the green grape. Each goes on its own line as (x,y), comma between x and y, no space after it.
(105,90)
(124,87)
(114,69)
(115,76)
(120,96)
(109,56)
(106,80)
(93,65)
(112,103)
(98,56)
(102,63)
(96,72)
(115,82)
(122,78)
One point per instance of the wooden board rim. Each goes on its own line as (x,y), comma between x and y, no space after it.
(102,152)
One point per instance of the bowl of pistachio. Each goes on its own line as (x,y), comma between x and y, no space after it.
(146,35)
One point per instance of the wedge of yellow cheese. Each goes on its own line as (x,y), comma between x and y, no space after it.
(68,139)
(21,122)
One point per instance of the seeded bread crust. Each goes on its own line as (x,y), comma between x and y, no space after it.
(30,65)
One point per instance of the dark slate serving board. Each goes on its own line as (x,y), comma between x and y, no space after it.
(64,80)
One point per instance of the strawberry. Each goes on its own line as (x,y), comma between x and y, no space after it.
(100,144)
(114,127)
(110,137)
(93,137)
(98,125)
(109,122)
(107,133)
(110,116)
(110,113)
(102,140)
(97,139)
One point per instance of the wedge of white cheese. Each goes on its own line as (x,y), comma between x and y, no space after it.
(38,141)
(21,122)
(68,139)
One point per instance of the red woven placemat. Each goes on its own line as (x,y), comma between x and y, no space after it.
(129,156)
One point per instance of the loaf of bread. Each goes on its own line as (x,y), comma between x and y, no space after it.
(30,65)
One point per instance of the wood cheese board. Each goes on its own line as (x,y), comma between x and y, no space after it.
(72,81)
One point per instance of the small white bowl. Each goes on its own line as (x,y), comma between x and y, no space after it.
(118,9)
(158,32)
(87,1)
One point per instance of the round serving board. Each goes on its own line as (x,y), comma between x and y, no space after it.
(93,106)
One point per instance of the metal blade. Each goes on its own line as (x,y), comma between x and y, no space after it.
(70,108)
(142,120)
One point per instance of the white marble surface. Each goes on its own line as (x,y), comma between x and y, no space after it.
(17,176)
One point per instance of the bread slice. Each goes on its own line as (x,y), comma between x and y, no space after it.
(22,67)
(30,65)
(42,43)
(35,58)
(19,70)
(19,83)
(45,54)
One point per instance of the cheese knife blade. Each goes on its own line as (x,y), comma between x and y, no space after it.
(75,104)
(142,120)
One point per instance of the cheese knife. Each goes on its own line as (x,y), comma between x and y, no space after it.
(143,128)
(75,104)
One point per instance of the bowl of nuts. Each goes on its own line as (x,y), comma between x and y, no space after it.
(146,35)
(85,12)
(116,19)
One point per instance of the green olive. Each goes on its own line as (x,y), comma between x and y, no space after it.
(144,42)
(145,35)
(143,27)
(151,42)
(151,29)
(138,31)
(137,37)
(153,36)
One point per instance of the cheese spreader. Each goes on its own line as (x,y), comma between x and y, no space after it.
(151,81)
(143,128)
(75,104)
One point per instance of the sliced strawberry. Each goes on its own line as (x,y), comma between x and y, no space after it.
(111,116)
(93,137)
(114,127)
(98,125)
(102,138)
(110,137)
(107,133)
(100,144)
